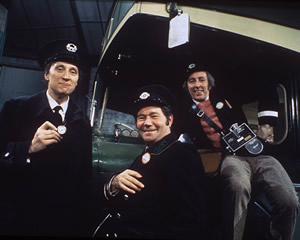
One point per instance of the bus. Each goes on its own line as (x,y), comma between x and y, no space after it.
(240,43)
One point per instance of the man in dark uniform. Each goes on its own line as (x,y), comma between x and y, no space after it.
(241,174)
(45,154)
(162,194)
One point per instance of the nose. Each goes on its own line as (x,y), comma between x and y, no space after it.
(148,122)
(197,83)
(66,75)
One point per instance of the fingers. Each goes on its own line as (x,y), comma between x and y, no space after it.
(49,134)
(45,135)
(128,181)
(47,125)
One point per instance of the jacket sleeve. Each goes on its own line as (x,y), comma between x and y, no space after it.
(268,105)
(13,151)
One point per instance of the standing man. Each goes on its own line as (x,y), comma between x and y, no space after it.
(45,153)
(241,174)
(162,194)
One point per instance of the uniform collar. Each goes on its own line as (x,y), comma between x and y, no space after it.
(73,114)
(163,144)
(53,103)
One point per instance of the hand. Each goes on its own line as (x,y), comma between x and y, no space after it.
(127,180)
(265,132)
(45,135)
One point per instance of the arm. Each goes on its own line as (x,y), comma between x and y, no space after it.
(15,138)
(268,106)
(13,148)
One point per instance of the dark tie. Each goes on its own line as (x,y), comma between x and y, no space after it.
(57,114)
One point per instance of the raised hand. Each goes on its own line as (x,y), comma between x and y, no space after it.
(45,135)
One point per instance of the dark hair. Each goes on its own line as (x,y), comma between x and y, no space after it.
(47,67)
(167,112)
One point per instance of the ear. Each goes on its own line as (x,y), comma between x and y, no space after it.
(171,119)
(46,76)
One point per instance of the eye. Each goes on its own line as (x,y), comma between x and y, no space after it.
(73,71)
(155,115)
(192,80)
(140,118)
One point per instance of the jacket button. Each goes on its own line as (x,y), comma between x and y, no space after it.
(118,215)
(6,155)
(126,197)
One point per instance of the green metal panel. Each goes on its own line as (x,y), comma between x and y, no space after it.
(112,156)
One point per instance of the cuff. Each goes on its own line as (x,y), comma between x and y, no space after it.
(268,117)
(107,189)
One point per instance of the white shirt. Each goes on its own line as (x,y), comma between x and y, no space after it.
(53,104)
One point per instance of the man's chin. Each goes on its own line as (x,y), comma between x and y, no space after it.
(199,99)
(148,139)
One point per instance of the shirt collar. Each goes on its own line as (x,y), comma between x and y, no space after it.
(53,103)
(207,98)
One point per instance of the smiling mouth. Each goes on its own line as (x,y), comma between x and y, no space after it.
(149,131)
(198,91)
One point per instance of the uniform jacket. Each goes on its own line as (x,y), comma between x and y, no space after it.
(172,204)
(45,196)
(228,112)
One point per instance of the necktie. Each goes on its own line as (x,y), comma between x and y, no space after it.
(57,114)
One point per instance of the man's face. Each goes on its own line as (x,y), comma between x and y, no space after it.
(198,86)
(152,124)
(63,78)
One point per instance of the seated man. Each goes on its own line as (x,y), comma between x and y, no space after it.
(162,194)
(241,173)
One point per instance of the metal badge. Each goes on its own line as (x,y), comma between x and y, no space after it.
(220,105)
(71,47)
(61,129)
(191,66)
(146,158)
(144,95)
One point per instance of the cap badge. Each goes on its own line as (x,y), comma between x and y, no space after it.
(220,105)
(144,95)
(146,158)
(71,47)
(191,66)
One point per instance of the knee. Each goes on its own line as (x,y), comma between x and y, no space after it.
(292,204)
(236,183)
(289,203)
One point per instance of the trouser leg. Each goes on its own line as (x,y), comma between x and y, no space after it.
(271,177)
(235,175)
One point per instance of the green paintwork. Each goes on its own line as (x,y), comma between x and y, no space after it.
(110,155)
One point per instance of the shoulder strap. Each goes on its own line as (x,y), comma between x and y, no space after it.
(195,109)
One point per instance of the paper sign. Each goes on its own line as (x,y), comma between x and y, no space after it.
(179,30)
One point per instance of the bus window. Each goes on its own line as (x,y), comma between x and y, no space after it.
(280,131)
(118,124)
